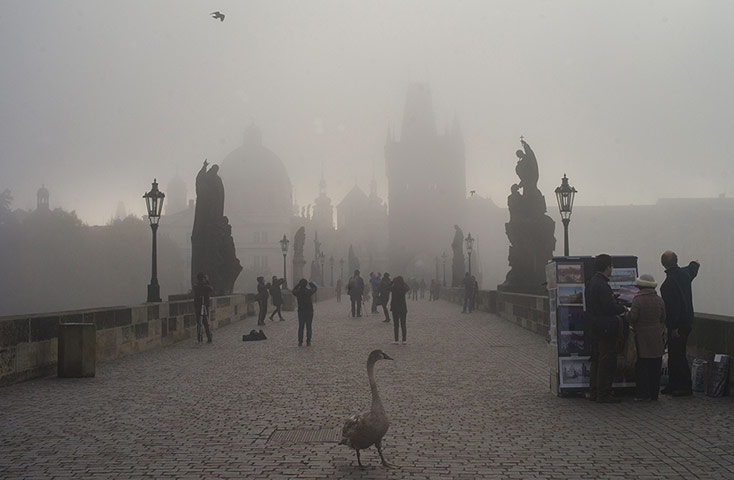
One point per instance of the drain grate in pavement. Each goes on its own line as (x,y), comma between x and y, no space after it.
(304,435)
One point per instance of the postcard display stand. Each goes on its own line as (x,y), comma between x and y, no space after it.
(568,346)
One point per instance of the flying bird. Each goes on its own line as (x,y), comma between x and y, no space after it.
(218,15)
(366,429)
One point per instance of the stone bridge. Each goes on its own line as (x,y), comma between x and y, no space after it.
(468,397)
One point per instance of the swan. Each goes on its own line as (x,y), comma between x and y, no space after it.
(366,429)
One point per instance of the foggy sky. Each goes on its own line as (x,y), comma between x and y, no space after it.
(632,99)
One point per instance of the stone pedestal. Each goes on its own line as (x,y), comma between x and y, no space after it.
(77,350)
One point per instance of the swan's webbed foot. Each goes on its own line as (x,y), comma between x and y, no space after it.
(384,462)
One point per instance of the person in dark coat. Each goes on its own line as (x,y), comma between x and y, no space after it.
(355,289)
(277,296)
(399,307)
(304,292)
(468,284)
(385,284)
(647,317)
(202,291)
(374,282)
(678,297)
(602,309)
(262,300)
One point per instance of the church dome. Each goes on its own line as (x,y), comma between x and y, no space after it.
(255,180)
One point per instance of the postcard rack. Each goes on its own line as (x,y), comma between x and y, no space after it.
(569,352)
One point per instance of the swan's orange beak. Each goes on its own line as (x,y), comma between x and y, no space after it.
(386,356)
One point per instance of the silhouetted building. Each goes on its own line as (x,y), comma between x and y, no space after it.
(42,198)
(426,186)
(362,223)
(259,204)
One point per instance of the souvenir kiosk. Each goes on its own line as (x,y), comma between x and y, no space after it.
(568,348)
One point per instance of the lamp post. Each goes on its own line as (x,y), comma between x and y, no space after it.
(444,256)
(154,204)
(469,246)
(321,260)
(331,264)
(284,248)
(341,269)
(565,194)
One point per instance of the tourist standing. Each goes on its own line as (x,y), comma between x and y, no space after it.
(678,297)
(304,292)
(339,290)
(399,307)
(355,289)
(468,292)
(647,317)
(277,296)
(602,309)
(262,300)
(384,288)
(422,287)
(375,287)
(202,291)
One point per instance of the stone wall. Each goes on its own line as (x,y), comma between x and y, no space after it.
(29,344)
(711,334)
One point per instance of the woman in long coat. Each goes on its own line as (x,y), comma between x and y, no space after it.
(647,316)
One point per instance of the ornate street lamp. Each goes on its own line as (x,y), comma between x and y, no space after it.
(154,203)
(565,194)
(331,264)
(322,257)
(469,245)
(284,248)
(341,269)
(444,256)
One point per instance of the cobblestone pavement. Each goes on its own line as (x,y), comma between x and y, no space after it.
(468,398)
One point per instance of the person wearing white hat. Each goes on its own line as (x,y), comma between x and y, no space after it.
(647,317)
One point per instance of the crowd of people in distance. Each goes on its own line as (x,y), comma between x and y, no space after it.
(656,320)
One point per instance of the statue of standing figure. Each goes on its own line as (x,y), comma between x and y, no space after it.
(530,231)
(212,246)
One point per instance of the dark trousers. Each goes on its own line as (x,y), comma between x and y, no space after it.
(263,311)
(338,296)
(678,368)
(647,377)
(399,323)
(356,306)
(384,310)
(375,301)
(304,319)
(277,310)
(203,320)
(468,302)
(603,366)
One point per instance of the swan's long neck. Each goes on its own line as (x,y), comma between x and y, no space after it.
(376,401)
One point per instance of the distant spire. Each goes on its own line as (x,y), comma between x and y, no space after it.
(322,182)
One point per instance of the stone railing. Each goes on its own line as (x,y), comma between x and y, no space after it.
(711,334)
(29,344)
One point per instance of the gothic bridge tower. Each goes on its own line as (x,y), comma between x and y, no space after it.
(426,173)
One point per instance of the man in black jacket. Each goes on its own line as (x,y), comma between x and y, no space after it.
(678,298)
(355,289)
(602,308)
(262,300)
(304,292)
